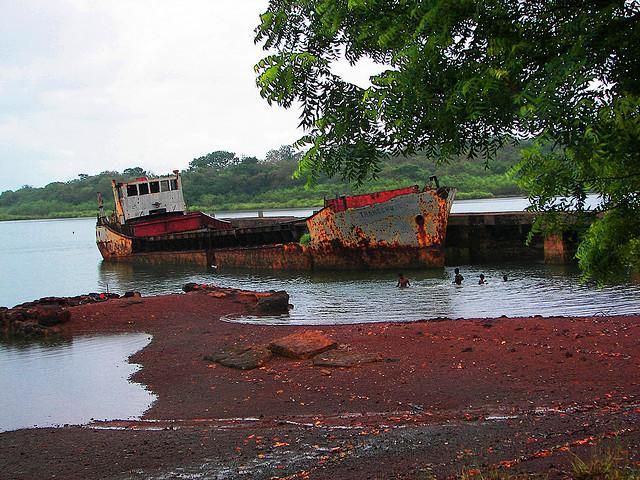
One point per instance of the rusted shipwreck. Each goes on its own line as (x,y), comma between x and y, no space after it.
(401,228)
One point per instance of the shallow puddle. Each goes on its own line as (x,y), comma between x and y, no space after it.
(71,382)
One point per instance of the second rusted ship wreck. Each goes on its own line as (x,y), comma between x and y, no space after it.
(402,228)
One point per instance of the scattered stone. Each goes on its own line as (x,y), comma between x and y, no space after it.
(258,303)
(69,301)
(302,345)
(132,302)
(217,294)
(343,358)
(48,315)
(191,286)
(242,358)
(274,304)
(37,318)
(28,329)
(216,357)
(32,320)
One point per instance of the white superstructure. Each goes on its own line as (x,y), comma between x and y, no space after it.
(143,197)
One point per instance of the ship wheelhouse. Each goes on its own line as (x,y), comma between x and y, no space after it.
(144,198)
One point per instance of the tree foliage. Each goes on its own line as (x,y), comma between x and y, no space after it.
(464,77)
(283,154)
(59,199)
(134,172)
(219,159)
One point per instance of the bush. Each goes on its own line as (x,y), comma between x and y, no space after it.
(305,239)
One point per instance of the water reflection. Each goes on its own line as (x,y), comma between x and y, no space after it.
(40,258)
(147,279)
(70,382)
(530,290)
(357,297)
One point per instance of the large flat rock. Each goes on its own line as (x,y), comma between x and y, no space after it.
(275,303)
(344,358)
(241,358)
(305,344)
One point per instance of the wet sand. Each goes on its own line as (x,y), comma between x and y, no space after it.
(520,394)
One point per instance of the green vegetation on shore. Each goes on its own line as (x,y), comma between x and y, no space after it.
(223,181)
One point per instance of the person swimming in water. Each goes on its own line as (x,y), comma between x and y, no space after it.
(403,282)
(482,281)
(458,278)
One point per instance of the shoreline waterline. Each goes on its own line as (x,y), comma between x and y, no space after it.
(72,381)
(429,379)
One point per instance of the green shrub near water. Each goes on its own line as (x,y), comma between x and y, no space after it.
(305,239)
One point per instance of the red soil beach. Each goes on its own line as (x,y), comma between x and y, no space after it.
(514,393)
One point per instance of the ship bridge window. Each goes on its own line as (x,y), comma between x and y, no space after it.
(132,190)
(154,187)
(174,184)
(164,186)
(144,188)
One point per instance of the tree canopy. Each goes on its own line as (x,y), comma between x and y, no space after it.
(464,77)
(219,159)
(133,172)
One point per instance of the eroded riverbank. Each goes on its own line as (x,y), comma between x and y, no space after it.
(518,393)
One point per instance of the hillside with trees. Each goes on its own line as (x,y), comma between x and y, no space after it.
(222,180)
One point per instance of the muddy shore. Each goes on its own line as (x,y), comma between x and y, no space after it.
(522,394)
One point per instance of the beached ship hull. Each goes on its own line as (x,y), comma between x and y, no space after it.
(197,245)
(402,228)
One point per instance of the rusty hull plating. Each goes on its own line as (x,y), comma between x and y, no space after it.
(401,228)
(112,244)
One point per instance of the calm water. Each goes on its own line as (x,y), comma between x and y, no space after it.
(59,257)
(354,297)
(70,382)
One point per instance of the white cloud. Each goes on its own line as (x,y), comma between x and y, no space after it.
(90,86)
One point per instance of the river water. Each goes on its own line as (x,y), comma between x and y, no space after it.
(59,258)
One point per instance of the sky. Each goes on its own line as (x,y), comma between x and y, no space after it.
(88,86)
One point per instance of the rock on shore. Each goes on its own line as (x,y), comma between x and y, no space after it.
(40,318)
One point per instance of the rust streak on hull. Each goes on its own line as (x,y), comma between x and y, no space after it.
(402,228)
(296,257)
(113,245)
(406,231)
